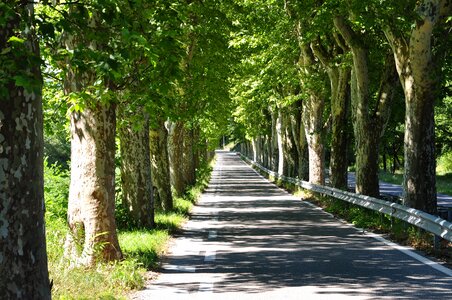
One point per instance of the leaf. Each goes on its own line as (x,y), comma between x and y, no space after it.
(22,81)
(15,39)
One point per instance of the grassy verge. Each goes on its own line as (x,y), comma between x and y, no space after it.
(141,248)
(443,181)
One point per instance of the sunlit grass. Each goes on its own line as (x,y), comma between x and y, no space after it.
(141,249)
(443,181)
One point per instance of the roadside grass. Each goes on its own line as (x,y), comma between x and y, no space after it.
(443,181)
(141,248)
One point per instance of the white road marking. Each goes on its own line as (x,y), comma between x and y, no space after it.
(212,234)
(206,287)
(189,269)
(412,254)
(210,256)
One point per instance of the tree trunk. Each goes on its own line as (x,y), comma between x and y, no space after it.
(136,172)
(368,124)
(160,166)
(366,142)
(297,136)
(339,76)
(176,147)
(189,157)
(279,139)
(339,141)
(312,115)
(313,125)
(414,62)
(91,208)
(274,153)
(290,151)
(23,259)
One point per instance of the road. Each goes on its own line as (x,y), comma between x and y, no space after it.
(248,239)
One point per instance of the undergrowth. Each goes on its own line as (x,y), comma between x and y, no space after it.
(141,247)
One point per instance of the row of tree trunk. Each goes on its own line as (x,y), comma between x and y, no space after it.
(159,159)
(409,62)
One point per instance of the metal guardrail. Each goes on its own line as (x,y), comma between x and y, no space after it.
(428,222)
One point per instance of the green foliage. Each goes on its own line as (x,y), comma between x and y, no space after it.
(444,163)
(56,190)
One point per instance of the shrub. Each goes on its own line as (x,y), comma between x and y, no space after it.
(56,190)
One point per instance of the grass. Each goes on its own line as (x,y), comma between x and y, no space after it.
(141,248)
(443,181)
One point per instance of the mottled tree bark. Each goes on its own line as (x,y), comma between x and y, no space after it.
(274,153)
(414,62)
(279,139)
(299,139)
(289,148)
(368,124)
(160,166)
(313,125)
(136,171)
(189,164)
(92,233)
(339,76)
(176,151)
(312,115)
(91,208)
(23,259)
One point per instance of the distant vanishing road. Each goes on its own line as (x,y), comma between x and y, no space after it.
(248,239)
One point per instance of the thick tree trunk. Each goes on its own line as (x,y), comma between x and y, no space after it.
(303,164)
(176,151)
(313,125)
(312,115)
(368,124)
(290,151)
(253,149)
(366,141)
(23,259)
(339,76)
(189,164)
(136,172)
(160,166)
(339,110)
(91,208)
(279,139)
(414,62)
(274,153)
(299,142)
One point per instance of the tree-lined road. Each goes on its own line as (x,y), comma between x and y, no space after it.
(248,239)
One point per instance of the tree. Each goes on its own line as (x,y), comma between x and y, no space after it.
(370,114)
(136,167)
(411,43)
(160,164)
(23,259)
(332,58)
(89,86)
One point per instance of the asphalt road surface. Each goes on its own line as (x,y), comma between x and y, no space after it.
(248,239)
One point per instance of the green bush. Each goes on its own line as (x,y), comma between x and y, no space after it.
(56,190)
(444,164)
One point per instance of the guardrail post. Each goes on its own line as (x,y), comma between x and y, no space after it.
(436,242)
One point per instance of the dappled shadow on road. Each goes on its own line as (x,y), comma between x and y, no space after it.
(268,240)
